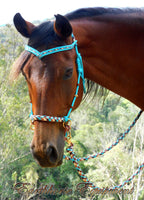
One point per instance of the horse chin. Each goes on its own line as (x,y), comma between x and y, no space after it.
(46,164)
(59,163)
(49,165)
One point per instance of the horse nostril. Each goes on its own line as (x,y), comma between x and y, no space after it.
(52,154)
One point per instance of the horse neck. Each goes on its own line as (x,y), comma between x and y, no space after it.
(112,55)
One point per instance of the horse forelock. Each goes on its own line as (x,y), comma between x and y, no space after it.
(19,64)
(44,36)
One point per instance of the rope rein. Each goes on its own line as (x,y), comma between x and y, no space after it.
(113,144)
(75,160)
(67,121)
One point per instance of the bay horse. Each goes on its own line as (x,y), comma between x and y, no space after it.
(111,43)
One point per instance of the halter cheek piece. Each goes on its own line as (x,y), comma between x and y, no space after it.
(80,72)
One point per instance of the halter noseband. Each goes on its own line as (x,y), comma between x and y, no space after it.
(80,71)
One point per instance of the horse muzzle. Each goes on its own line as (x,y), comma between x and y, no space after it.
(47,155)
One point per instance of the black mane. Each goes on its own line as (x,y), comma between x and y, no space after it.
(91,12)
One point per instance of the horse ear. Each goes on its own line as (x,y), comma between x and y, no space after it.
(62,26)
(22,26)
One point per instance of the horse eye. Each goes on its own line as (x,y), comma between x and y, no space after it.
(68,73)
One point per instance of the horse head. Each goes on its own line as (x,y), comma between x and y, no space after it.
(52,82)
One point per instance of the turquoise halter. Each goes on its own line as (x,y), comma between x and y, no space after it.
(80,71)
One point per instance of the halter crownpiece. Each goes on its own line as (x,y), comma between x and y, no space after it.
(80,71)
